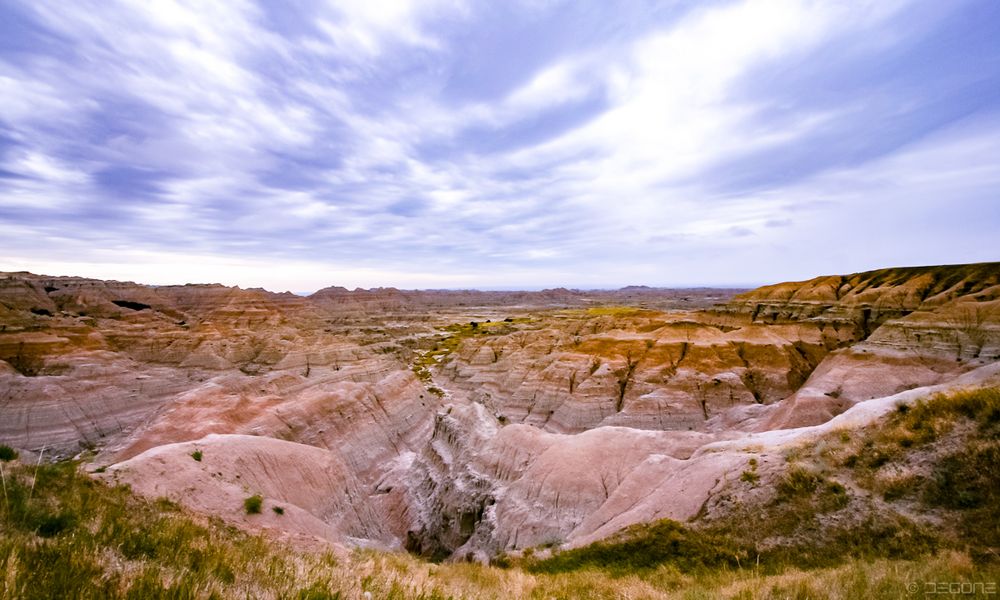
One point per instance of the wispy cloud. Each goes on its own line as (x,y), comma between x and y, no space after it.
(520,144)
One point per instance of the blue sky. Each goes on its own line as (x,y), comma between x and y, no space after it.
(521,144)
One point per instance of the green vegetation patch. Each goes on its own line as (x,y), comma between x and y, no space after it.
(66,535)
(619,311)
(7,453)
(928,477)
(647,546)
(253,504)
(963,475)
(451,338)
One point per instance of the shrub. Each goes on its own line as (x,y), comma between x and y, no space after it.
(52,525)
(197,455)
(253,504)
(7,453)
(278,510)
(750,477)
(899,487)
(798,482)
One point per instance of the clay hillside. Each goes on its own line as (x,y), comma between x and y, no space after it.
(503,426)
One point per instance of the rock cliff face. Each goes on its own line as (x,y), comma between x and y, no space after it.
(648,371)
(464,424)
(864,301)
(913,327)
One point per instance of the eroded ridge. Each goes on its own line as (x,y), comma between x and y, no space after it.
(470,424)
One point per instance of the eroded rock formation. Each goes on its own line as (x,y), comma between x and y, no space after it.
(464,424)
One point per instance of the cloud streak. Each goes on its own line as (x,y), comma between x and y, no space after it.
(449,143)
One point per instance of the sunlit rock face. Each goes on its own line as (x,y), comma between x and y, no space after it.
(649,371)
(464,424)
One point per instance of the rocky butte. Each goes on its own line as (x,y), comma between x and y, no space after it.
(467,424)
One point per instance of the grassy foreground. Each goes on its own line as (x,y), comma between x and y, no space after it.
(73,537)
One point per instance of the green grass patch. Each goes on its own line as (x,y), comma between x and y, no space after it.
(253,504)
(449,340)
(644,547)
(7,453)
(68,535)
(798,482)
(619,311)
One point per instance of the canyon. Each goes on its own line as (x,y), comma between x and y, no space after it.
(464,425)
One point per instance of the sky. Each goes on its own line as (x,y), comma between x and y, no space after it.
(521,144)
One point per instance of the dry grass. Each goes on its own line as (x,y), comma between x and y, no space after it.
(78,538)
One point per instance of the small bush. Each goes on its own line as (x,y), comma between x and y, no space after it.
(798,482)
(278,510)
(197,455)
(750,477)
(899,487)
(872,455)
(7,453)
(833,497)
(835,488)
(52,525)
(253,504)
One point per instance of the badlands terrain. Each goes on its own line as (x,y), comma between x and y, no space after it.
(827,420)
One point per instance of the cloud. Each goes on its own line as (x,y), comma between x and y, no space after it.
(525,144)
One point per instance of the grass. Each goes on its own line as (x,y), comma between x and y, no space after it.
(645,547)
(618,311)
(75,537)
(253,504)
(922,479)
(7,453)
(197,455)
(451,338)
(751,475)
(949,445)
(80,538)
